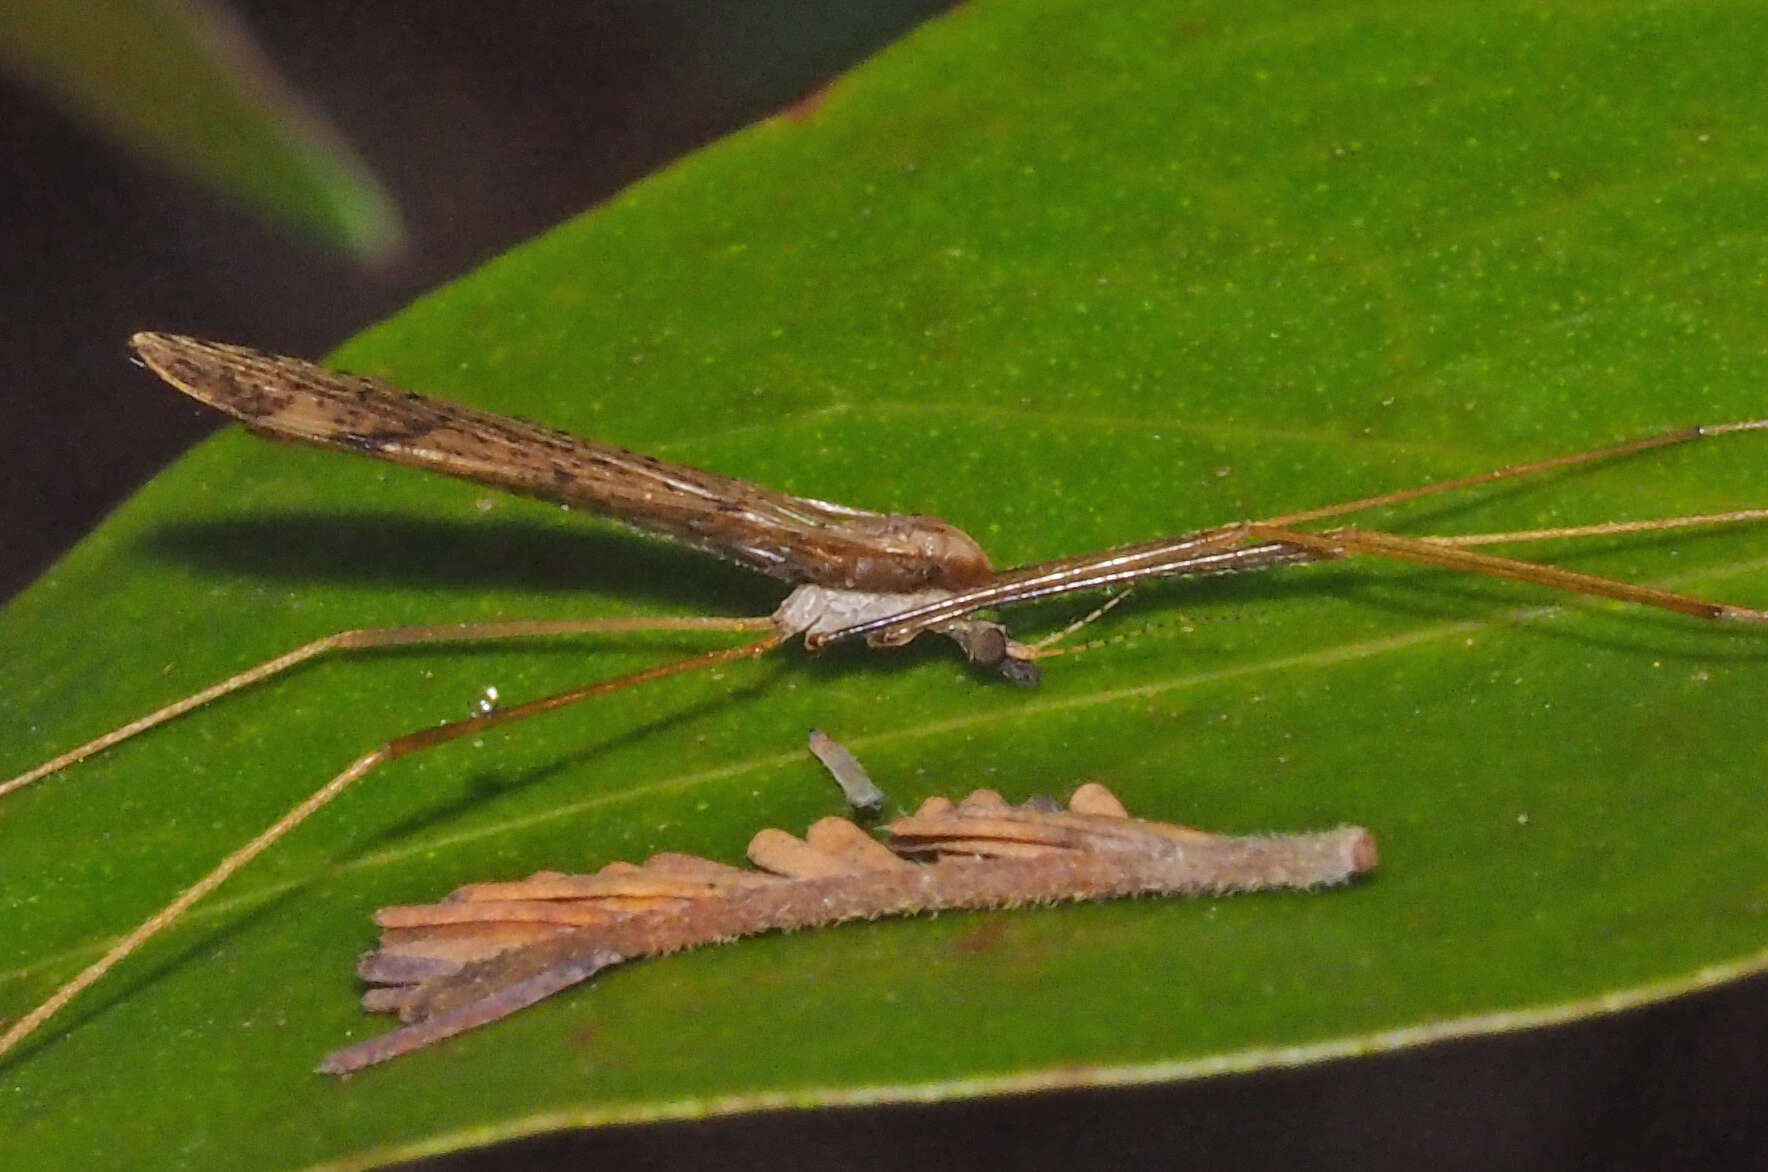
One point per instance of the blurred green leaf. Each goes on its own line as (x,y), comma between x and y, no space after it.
(182,83)
(1067,275)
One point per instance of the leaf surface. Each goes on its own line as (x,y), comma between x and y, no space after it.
(1066,275)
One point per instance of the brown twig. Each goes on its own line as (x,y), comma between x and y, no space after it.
(492,948)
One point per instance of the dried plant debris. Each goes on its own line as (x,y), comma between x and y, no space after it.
(491,948)
(856,784)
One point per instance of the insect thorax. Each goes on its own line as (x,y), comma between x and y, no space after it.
(817,612)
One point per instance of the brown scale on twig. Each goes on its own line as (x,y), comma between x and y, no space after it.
(489,949)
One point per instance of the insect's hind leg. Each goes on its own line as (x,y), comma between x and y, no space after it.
(1668,439)
(1431,552)
(365,639)
(1606,528)
(361,767)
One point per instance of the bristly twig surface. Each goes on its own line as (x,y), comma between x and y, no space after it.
(489,949)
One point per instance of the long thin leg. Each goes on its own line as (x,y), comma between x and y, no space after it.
(393,749)
(1348,542)
(370,638)
(1324,547)
(1667,439)
(1048,645)
(1605,528)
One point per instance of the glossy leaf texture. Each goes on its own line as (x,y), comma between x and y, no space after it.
(1066,275)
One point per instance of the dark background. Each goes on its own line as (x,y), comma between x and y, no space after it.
(492,122)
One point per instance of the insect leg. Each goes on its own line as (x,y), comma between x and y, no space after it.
(359,640)
(1426,551)
(1666,439)
(1607,528)
(393,749)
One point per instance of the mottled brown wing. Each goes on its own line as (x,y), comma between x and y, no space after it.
(789,537)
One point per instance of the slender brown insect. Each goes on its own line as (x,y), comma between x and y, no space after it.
(490,949)
(884,578)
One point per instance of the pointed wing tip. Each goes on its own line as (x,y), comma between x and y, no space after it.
(154,347)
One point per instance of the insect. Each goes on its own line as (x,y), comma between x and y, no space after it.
(883,578)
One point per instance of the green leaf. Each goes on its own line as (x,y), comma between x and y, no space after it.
(185,86)
(1067,275)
